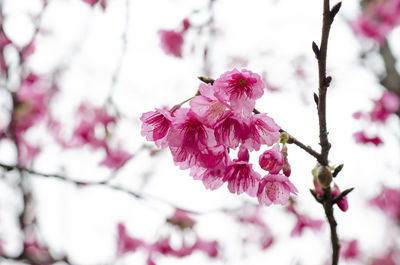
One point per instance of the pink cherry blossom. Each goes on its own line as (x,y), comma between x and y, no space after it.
(126,243)
(240,175)
(171,42)
(207,107)
(212,178)
(115,158)
(388,104)
(389,202)
(343,203)
(231,131)
(303,221)
(156,125)
(272,160)
(239,89)
(262,130)
(361,138)
(378,19)
(350,250)
(275,189)
(188,137)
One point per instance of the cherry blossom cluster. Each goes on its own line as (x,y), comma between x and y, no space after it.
(180,219)
(172,40)
(387,105)
(90,120)
(221,119)
(378,19)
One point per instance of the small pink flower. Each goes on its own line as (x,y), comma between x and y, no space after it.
(126,243)
(262,130)
(343,203)
(239,89)
(272,160)
(207,107)
(350,249)
(240,175)
(389,202)
(156,125)
(388,104)
(212,177)
(115,158)
(171,42)
(275,189)
(303,222)
(231,131)
(361,138)
(188,138)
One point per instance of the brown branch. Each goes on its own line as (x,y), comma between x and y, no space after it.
(324,82)
(307,148)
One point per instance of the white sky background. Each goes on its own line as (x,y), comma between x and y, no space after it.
(271,34)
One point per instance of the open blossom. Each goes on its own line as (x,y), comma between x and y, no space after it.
(361,138)
(388,104)
(275,189)
(90,117)
(212,177)
(378,19)
(115,158)
(156,125)
(207,107)
(231,131)
(240,175)
(272,160)
(262,130)
(171,42)
(350,249)
(389,202)
(126,243)
(239,89)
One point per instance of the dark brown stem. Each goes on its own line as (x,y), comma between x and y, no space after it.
(328,207)
(307,148)
(324,82)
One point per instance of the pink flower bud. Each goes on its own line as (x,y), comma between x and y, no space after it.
(343,204)
(272,160)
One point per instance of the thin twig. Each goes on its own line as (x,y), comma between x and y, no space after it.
(324,82)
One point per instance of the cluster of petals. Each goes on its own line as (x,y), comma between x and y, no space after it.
(378,19)
(172,40)
(85,133)
(389,202)
(387,105)
(126,244)
(220,118)
(303,221)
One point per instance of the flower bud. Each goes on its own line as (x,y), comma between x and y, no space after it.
(324,176)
